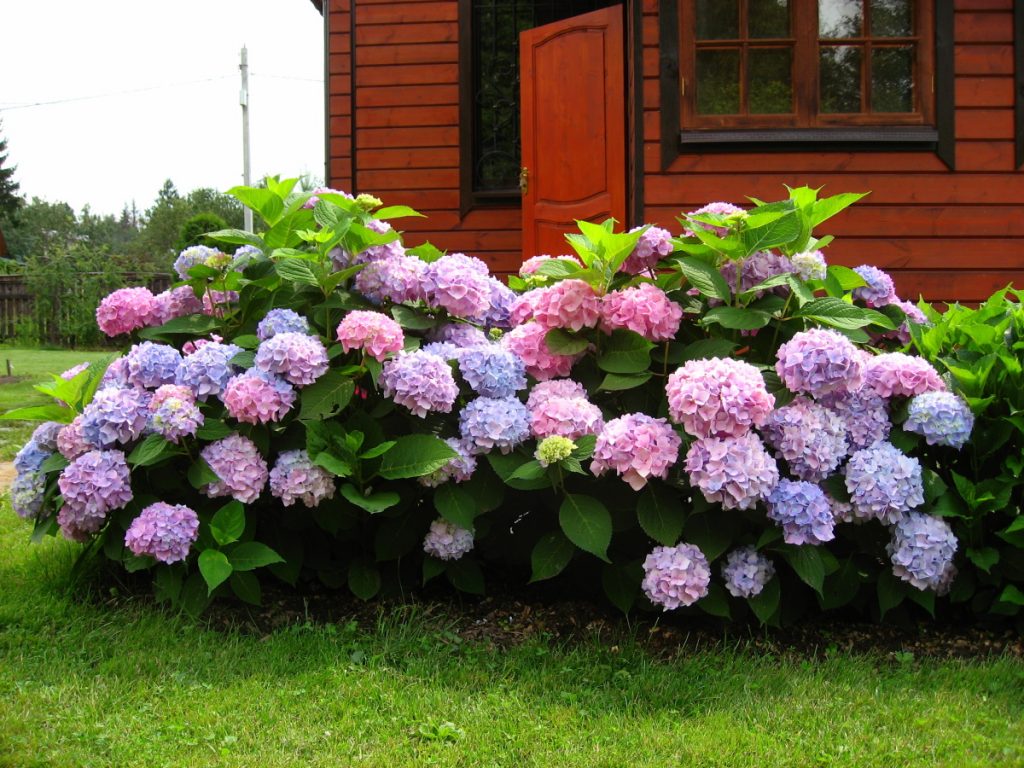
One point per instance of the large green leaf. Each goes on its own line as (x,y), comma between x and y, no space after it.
(737,318)
(455,505)
(625,352)
(891,592)
(372,503)
(622,584)
(246,587)
(766,604)
(363,578)
(41,413)
(228,523)
(250,555)
(838,314)
(807,563)
(779,232)
(414,456)
(561,342)
(192,325)
(830,206)
(296,271)
(704,277)
(660,515)
(550,556)
(215,567)
(326,396)
(153,450)
(587,523)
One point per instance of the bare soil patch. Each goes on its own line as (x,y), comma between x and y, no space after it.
(7,474)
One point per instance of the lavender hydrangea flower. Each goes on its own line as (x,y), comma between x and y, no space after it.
(281,321)
(746,572)
(244,256)
(718,397)
(93,485)
(456,283)
(191,257)
(299,358)
(459,334)
(818,362)
(499,307)
(895,374)
(384,250)
(208,369)
(45,435)
(115,417)
(71,443)
(883,482)
(420,381)
(240,469)
(757,268)
(459,469)
(864,413)
(258,397)
(444,349)
(27,493)
(173,413)
(942,417)
(492,371)
(676,576)
(151,365)
(176,302)
(555,388)
(736,472)
(809,265)
(116,375)
(163,531)
(637,447)
(494,422)
(879,290)
(921,550)
(296,478)
(395,278)
(811,438)
(803,512)
(653,245)
(446,541)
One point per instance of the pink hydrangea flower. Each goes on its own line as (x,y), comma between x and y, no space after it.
(637,447)
(676,576)
(896,374)
(296,478)
(529,266)
(654,244)
(570,417)
(241,470)
(718,397)
(554,388)
(126,310)
(176,302)
(523,307)
(720,209)
(736,472)
(528,342)
(163,531)
(71,443)
(257,397)
(569,304)
(373,332)
(644,309)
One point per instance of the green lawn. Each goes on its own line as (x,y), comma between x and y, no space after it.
(83,684)
(30,366)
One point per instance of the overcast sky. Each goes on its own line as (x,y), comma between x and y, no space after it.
(119,147)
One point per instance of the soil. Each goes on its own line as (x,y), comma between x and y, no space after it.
(7,474)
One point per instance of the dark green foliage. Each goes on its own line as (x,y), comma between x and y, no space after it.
(195,229)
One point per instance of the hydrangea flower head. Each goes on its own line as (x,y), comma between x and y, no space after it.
(718,397)
(921,550)
(746,572)
(241,471)
(384,250)
(803,511)
(71,443)
(126,310)
(296,478)
(757,268)
(446,541)
(163,531)
(675,576)
(644,309)
(883,482)
(420,381)
(809,265)
(811,438)
(281,321)
(92,485)
(206,371)
(865,415)
(191,257)
(492,370)
(45,435)
(176,302)
(258,397)
(522,308)
(373,332)
(494,422)
(718,209)
(115,417)
(569,417)
(895,374)
(173,413)
(456,283)
(244,255)
(395,278)
(26,494)
(459,469)
(736,472)
(530,266)
(459,334)
(654,244)
(555,388)
(529,344)
(152,365)
(819,361)
(568,304)
(554,449)
(942,417)
(314,197)
(31,456)
(74,370)
(879,290)
(637,447)
(218,303)
(499,307)
(299,358)
(444,349)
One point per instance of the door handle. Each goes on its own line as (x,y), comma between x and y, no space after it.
(524,180)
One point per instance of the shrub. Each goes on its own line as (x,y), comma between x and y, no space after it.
(195,230)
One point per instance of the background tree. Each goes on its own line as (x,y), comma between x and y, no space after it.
(10,200)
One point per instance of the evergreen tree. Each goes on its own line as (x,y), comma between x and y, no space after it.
(10,200)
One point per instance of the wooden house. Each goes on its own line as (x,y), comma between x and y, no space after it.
(505,120)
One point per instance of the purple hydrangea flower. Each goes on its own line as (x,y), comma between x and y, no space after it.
(499,307)
(45,435)
(191,257)
(494,422)
(395,278)
(176,302)
(883,482)
(420,381)
(675,576)
(942,417)
(459,469)
(71,443)
(281,321)
(803,511)
(115,417)
(637,447)
(92,485)
(457,284)
(446,541)
(27,493)
(208,369)
(74,370)
(864,413)
(116,375)
(258,397)
(818,362)
(879,290)
(809,265)
(570,417)
(173,413)
(811,438)
(757,268)
(895,374)
(921,550)
(244,256)
(296,478)
(654,244)
(444,349)
(718,397)
(459,334)
(492,371)
(240,469)
(163,531)
(384,251)
(718,209)
(736,472)
(299,358)
(746,572)
(151,365)
(373,332)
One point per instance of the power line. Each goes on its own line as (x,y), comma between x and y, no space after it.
(288,77)
(115,93)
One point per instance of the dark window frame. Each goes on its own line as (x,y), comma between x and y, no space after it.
(937,137)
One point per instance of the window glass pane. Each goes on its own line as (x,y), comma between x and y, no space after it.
(718,82)
(718,19)
(768,18)
(892,79)
(770,74)
(891,18)
(839,73)
(840,18)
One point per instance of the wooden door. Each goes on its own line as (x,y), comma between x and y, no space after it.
(573,107)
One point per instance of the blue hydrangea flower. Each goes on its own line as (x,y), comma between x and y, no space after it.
(281,321)
(489,423)
(190,257)
(115,417)
(883,482)
(922,550)
(31,456)
(942,417)
(207,370)
(865,414)
(27,492)
(803,511)
(244,256)
(45,435)
(809,437)
(746,572)
(152,365)
(492,371)
(459,334)
(499,310)
(879,290)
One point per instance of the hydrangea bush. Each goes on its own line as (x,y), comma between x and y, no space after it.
(701,422)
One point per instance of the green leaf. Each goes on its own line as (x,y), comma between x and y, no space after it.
(807,563)
(531,470)
(587,523)
(336,466)
(363,578)
(396,212)
(55,463)
(378,450)
(838,314)
(200,474)
(432,568)
(737,318)
(830,206)
(891,592)
(237,237)
(1012,595)
(167,583)
(268,205)
(153,450)
(1014,532)
(840,587)
(414,456)
(622,584)
(660,515)
(505,466)
(296,271)
(619,382)
(213,429)
(326,397)
(766,604)
(704,277)
(625,352)
(246,587)
(776,233)
(712,536)
(559,268)
(41,413)
(247,341)
(373,503)
(228,523)
(551,554)
(585,447)
(564,343)
(455,505)
(984,558)
(214,566)
(426,251)
(465,575)
(194,595)
(190,325)
(707,348)
(413,319)
(716,602)
(250,555)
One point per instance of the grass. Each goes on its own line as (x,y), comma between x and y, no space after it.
(83,684)
(30,366)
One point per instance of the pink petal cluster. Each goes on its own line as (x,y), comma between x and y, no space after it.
(529,266)
(528,342)
(554,388)
(811,438)
(637,447)
(718,397)
(653,244)
(458,284)
(240,469)
(163,531)
(568,304)
(296,478)
(71,443)
(299,358)
(126,310)
(257,397)
(173,412)
(737,472)
(373,332)
(644,309)
(896,374)
(522,308)
(176,302)
(676,576)
(570,417)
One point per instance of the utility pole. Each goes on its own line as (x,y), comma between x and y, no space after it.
(243,99)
